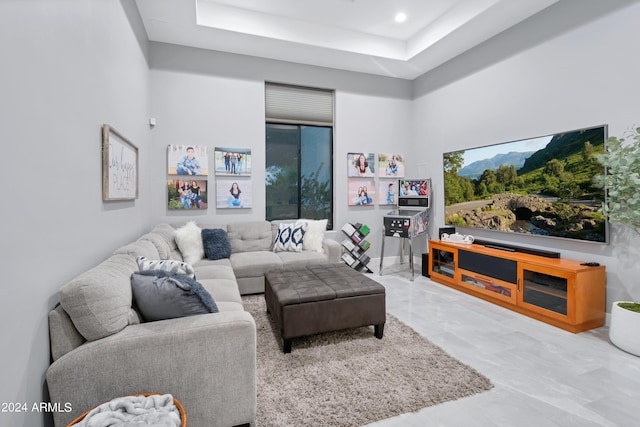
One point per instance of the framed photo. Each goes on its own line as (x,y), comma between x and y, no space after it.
(232,161)
(388,192)
(232,193)
(361,192)
(187,194)
(361,164)
(390,165)
(187,160)
(119,166)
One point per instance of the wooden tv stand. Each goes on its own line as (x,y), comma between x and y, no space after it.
(561,292)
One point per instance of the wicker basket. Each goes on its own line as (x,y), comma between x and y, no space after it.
(181,410)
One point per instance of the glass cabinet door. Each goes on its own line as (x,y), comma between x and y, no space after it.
(547,291)
(443,262)
(488,286)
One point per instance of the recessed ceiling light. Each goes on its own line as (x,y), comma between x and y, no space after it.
(401,17)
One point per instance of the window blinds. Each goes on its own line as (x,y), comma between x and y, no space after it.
(300,105)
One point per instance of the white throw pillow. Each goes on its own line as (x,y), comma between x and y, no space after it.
(290,237)
(314,234)
(168,265)
(189,241)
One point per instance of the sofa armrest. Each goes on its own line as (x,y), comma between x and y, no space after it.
(208,362)
(332,249)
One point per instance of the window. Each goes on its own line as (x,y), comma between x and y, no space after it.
(299,153)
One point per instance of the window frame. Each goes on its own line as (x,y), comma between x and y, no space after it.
(330,219)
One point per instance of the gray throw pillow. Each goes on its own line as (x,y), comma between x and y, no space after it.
(162,295)
(216,244)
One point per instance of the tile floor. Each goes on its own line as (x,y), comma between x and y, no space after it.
(543,375)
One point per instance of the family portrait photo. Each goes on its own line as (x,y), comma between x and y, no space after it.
(187,194)
(232,161)
(361,192)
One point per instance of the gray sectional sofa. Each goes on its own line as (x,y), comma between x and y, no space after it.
(101,349)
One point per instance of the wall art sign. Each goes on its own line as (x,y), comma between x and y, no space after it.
(119,166)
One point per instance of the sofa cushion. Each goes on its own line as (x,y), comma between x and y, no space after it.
(139,248)
(162,295)
(218,278)
(214,269)
(168,233)
(189,241)
(255,264)
(289,237)
(169,265)
(216,244)
(164,250)
(64,336)
(99,300)
(225,293)
(293,259)
(250,236)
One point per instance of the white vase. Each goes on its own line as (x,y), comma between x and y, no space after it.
(624,331)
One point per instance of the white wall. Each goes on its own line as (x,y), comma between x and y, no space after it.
(581,72)
(217,99)
(70,66)
(67,67)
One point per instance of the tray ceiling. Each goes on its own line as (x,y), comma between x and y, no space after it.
(354,35)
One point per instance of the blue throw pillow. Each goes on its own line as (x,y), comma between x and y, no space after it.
(216,244)
(163,295)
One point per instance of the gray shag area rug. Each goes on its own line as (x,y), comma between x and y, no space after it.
(351,378)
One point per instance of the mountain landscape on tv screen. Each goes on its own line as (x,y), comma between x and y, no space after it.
(547,192)
(475,169)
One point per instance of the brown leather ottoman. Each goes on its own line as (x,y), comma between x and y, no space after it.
(323,298)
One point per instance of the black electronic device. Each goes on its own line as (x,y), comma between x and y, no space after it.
(591,264)
(515,248)
(425,264)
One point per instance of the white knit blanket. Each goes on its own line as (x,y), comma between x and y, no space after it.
(128,411)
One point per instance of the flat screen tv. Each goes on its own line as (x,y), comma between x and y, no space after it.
(539,186)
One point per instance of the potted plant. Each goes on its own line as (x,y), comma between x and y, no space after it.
(622,179)
(622,182)
(624,330)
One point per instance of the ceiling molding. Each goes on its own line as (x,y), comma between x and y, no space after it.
(341,34)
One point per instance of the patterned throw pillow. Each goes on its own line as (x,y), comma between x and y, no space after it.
(169,265)
(289,238)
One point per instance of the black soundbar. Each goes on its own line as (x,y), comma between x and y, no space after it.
(502,248)
(514,248)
